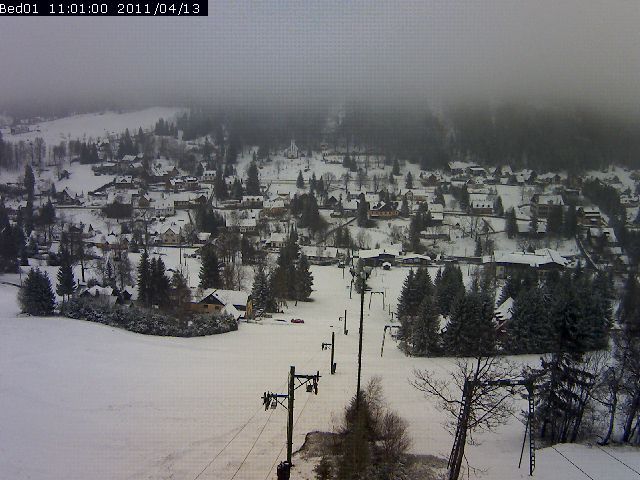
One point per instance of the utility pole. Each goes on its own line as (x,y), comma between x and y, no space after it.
(326,345)
(272,400)
(360,340)
(345,322)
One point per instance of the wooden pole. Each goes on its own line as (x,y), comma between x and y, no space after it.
(292,377)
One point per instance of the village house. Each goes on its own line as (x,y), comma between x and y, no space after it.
(252,201)
(215,300)
(481,206)
(187,201)
(321,255)
(543,205)
(376,257)
(589,217)
(170,236)
(543,260)
(247,226)
(383,210)
(275,242)
(274,208)
(65,198)
(436,210)
(164,208)
(124,182)
(141,201)
(208,176)
(414,259)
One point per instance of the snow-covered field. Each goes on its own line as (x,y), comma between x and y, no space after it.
(93,125)
(80,400)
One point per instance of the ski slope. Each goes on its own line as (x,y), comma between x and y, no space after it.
(80,400)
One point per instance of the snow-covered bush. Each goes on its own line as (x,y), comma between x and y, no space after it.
(149,322)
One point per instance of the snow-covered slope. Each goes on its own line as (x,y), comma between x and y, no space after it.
(93,125)
(80,400)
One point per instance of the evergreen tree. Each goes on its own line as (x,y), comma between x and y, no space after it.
(29,181)
(210,269)
(554,221)
(144,279)
(425,331)
(449,288)
(304,279)
(237,191)
(220,186)
(529,330)
(570,222)
(160,282)
(9,248)
(261,295)
(511,225)
(300,180)
(362,213)
(253,182)
(470,331)
(404,208)
(497,206)
(181,292)
(66,281)
(408,181)
(395,170)
(313,184)
(36,295)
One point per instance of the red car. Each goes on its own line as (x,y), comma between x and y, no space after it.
(297,320)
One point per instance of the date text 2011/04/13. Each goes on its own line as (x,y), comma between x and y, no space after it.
(39,8)
(150,9)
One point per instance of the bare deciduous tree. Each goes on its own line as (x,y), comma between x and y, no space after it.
(487,407)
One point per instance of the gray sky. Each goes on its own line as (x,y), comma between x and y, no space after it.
(543,49)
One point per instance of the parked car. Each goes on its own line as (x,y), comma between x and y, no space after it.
(386,266)
(297,320)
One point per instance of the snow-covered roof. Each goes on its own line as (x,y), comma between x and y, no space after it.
(549,199)
(393,249)
(539,258)
(504,311)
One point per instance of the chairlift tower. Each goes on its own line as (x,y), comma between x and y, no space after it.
(271,400)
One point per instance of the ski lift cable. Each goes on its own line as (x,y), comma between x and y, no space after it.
(618,460)
(227,444)
(568,460)
(241,429)
(285,443)
(294,425)
(252,446)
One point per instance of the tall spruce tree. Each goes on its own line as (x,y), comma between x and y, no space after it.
(144,279)
(36,295)
(66,282)
(304,279)
(449,288)
(425,331)
(261,295)
(253,182)
(511,225)
(529,329)
(300,180)
(210,269)
(470,331)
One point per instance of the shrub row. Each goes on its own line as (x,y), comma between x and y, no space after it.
(148,322)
